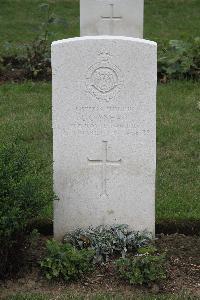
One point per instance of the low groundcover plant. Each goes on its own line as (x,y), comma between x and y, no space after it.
(143,268)
(108,241)
(86,249)
(63,261)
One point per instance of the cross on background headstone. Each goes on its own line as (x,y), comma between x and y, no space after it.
(104,162)
(111,18)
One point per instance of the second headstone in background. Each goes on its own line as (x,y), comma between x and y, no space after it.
(112,17)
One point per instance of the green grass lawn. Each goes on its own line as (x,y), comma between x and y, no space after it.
(20,20)
(25,109)
(25,112)
(163,20)
(178,131)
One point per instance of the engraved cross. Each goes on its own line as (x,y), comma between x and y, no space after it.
(104,162)
(111,18)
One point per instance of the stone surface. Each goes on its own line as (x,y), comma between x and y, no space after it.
(104,132)
(112,17)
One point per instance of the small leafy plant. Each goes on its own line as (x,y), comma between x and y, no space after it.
(108,240)
(145,267)
(63,261)
(179,60)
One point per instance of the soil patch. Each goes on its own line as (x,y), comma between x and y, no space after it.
(183,267)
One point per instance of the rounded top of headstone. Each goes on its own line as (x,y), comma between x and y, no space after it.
(104,37)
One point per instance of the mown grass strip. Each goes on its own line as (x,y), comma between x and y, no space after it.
(25,113)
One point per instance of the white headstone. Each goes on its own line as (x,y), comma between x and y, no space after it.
(104,132)
(112,17)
